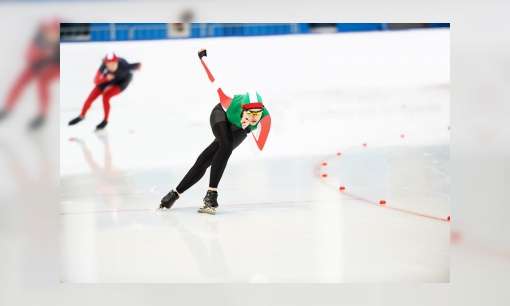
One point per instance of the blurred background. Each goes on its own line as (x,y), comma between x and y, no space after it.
(479,157)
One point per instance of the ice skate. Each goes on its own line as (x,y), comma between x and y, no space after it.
(207,210)
(36,123)
(168,200)
(101,125)
(76,120)
(210,203)
(3,114)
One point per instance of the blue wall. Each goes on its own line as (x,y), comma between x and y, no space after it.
(149,31)
(357,27)
(103,31)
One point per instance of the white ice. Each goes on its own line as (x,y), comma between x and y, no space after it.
(279,220)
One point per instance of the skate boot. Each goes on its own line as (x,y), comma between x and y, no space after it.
(3,114)
(101,125)
(76,120)
(36,123)
(210,203)
(169,200)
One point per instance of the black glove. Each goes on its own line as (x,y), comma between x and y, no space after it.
(202,54)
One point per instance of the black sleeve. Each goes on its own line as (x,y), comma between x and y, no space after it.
(134,66)
(123,69)
(248,129)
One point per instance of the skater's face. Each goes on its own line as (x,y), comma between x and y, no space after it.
(52,36)
(112,66)
(253,115)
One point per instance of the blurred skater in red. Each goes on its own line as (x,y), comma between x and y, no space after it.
(43,67)
(113,77)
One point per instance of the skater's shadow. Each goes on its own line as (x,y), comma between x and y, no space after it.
(211,262)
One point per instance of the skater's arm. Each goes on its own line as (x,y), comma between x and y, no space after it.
(224,99)
(100,75)
(36,57)
(135,66)
(34,53)
(258,138)
(41,52)
(100,78)
(124,70)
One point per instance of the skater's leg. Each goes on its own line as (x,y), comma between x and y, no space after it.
(226,145)
(20,84)
(107,95)
(44,82)
(92,96)
(239,137)
(198,170)
(192,177)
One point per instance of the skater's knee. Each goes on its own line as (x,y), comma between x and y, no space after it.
(201,165)
(226,148)
(226,145)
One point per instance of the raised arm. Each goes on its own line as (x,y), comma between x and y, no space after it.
(224,99)
(135,66)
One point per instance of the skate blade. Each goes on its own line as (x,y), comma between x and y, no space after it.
(207,211)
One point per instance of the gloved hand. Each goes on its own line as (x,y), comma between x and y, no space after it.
(202,52)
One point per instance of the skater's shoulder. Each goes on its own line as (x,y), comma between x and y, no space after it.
(123,61)
(238,97)
(237,100)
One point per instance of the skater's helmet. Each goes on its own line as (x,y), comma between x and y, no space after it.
(49,31)
(111,57)
(50,24)
(252,99)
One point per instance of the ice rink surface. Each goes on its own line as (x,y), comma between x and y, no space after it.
(279,219)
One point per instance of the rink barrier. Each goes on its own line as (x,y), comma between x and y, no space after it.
(86,32)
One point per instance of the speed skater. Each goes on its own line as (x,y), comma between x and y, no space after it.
(232,121)
(113,77)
